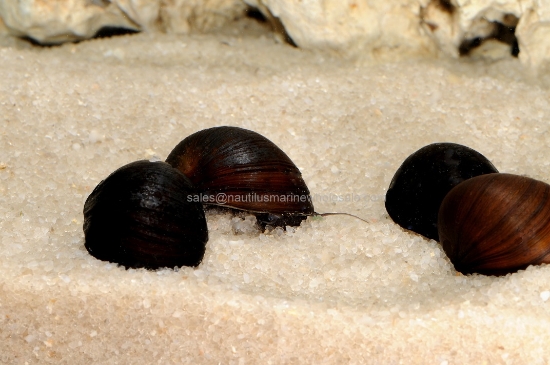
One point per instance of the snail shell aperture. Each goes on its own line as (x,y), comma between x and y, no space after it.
(140,216)
(496,224)
(249,171)
(425,177)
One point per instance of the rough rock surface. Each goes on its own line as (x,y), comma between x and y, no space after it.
(180,16)
(58,21)
(452,27)
(457,27)
(533,33)
(491,29)
(351,27)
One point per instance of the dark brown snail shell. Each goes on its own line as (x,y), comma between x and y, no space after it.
(248,171)
(425,177)
(496,224)
(141,216)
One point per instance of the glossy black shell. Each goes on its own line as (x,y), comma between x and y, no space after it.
(425,177)
(140,216)
(249,170)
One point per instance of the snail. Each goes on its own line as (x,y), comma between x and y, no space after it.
(149,214)
(141,216)
(241,169)
(496,224)
(425,177)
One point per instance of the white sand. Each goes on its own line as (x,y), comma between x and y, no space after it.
(335,290)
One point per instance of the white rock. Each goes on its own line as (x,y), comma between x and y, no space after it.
(372,29)
(533,33)
(57,21)
(176,17)
(472,19)
(438,22)
(181,16)
(143,12)
(414,27)
(450,23)
(351,27)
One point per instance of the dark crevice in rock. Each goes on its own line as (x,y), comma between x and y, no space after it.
(37,43)
(446,6)
(107,32)
(104,32)
(502,31)
(468,44)
(515,49)
(265,16)
(279,29)
(255,13)
(506,34)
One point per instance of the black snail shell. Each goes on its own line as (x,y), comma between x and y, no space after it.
(425,177)
(141,216)
(241,169)
(496,224)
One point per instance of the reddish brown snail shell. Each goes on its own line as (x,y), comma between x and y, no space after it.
(247,171)
(496,224)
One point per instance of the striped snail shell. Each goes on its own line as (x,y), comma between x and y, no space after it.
(496,224)
(241,169)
